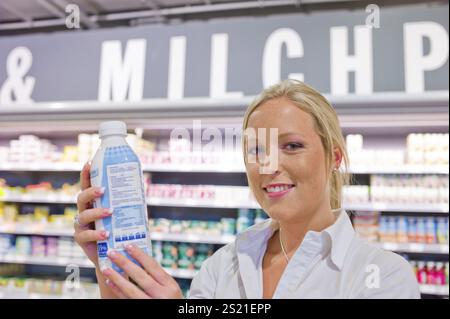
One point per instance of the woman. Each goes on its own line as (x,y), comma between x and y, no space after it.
(307,249)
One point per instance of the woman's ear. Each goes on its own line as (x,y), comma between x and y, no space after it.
(337,158)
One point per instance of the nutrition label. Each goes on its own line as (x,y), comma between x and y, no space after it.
(128,203)
(125,185)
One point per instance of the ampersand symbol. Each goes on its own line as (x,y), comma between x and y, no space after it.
(18,85)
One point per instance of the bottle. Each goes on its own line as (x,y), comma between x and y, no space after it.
(431,273)
(421,273)
(116,167)
(430,231)
(402,230)
(440,274)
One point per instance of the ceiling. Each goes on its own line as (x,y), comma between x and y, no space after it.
(26,15)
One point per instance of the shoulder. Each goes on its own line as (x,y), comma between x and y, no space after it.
(380,273)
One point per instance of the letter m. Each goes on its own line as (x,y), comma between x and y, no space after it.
(121,76)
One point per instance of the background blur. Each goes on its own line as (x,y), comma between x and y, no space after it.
(196,64)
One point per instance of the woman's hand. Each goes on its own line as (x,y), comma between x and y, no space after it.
(152,280)
(85,234)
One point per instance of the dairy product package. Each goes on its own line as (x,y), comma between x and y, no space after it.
(116,167)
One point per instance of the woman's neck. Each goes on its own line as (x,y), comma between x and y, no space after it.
(294,231)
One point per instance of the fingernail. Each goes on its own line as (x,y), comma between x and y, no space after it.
(108,281)
(105,234)
(130,248)
(107,211)
(101,191)
(107,272)
(112,253)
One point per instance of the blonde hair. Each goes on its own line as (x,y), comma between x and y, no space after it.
(326,123)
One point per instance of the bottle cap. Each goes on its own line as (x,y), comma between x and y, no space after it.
(112,128)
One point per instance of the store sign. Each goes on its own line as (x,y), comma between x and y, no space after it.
(337,52)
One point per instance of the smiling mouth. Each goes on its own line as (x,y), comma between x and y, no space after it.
(278,189)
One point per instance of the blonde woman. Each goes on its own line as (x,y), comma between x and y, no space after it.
(306,249)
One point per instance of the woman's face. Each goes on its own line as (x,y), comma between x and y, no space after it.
(296,187)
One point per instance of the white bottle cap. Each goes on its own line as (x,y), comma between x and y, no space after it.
(112,128)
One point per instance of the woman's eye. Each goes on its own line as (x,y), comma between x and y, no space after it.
(293,146)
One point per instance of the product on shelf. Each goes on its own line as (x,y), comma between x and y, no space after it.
(40,246)
(421,149)
(226,226)
(408,189)
(402,229)
(42,189)
(366,225)
(35,218)
(430,272)
(21,287)
(30,148)
(356,194)
(181,255)
(427,149)
(400,189)
(207,193)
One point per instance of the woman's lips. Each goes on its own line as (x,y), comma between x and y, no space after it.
(283,190)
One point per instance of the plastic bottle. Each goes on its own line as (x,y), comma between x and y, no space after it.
(402,230)
(421,273)
(117,168)
(431,273)
(440,274)
(430,235)
(421,230)
(412,230)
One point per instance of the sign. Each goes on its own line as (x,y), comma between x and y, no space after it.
(338,52)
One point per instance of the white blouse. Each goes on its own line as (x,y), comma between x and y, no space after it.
(333,263)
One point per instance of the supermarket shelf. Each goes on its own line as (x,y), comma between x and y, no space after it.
(356,169)
(44,167)
(224,239)
(193,238)
(434,290)
(189,238)
(177,202)
(404,169)
(33,260)
(33,230)
(85,263)
(415,247)
(33,198)
(181,202)
(194,168)
(76,167)
(416,208)
(419,208)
